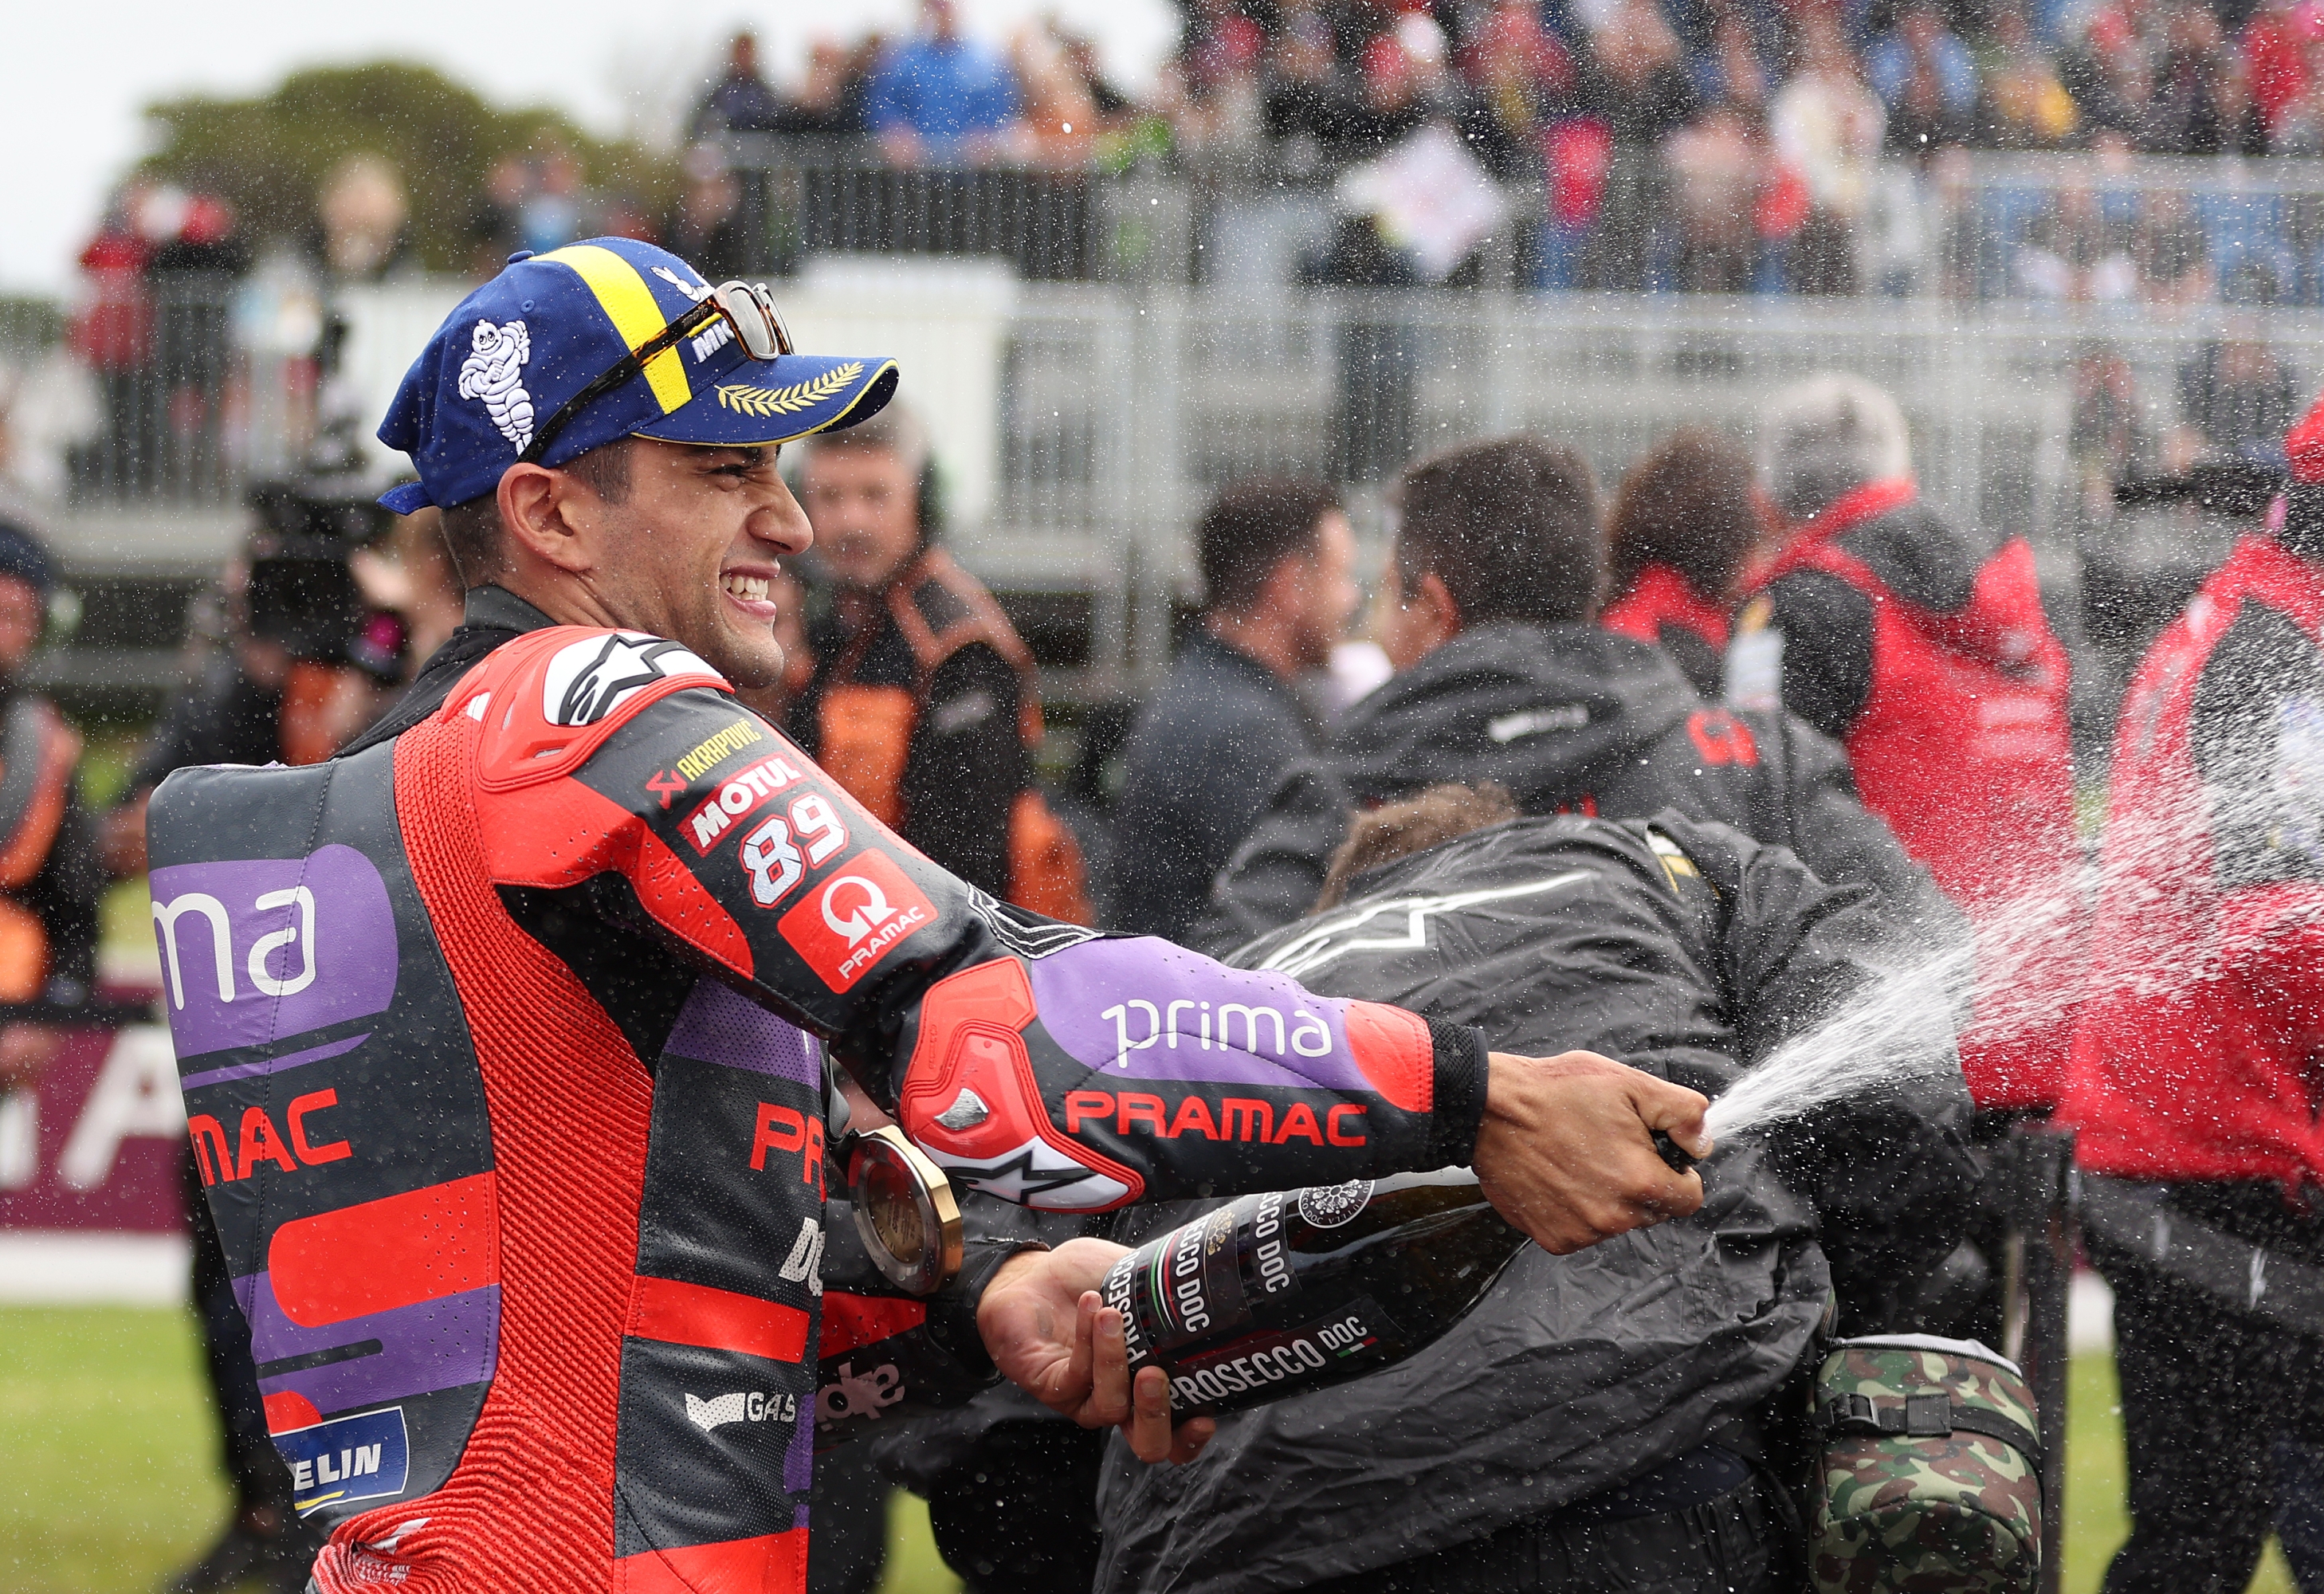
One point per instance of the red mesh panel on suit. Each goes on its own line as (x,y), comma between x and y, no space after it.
(531,1504)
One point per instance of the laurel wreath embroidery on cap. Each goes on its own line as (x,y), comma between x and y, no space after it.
(788,400)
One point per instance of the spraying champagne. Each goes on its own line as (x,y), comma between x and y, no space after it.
(1278,1294)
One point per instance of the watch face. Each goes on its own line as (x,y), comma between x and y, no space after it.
(904,1210)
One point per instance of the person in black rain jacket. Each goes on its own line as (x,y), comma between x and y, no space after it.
(1503,677)
(1610,1426)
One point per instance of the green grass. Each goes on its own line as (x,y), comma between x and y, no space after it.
(108,1470)
(108,1475)
(108,1458)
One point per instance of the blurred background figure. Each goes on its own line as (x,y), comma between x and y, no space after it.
(1277,564)
(1827,126)
(364,220)
(742,101)
(1488,611)
(50,877)
(940,98)
(2195,1096)
(923,703)
(1934,665)
(2236,400)
(1685,522)
(706,227)
(1926,79)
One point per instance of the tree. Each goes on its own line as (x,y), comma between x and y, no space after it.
(270,156)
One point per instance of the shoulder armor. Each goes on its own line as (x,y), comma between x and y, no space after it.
(549,699)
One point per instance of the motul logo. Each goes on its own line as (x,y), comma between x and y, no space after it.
(846,923)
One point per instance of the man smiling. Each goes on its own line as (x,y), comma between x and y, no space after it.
(500,1033)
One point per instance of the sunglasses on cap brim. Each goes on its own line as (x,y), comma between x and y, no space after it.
(747,307)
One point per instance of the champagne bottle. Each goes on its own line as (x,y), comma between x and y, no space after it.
(1276,1295)
(1280,1294)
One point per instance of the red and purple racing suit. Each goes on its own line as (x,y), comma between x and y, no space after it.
(501,1046)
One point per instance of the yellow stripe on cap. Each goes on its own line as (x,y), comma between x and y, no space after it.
(629,305)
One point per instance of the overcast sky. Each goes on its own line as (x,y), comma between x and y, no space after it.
(74,77)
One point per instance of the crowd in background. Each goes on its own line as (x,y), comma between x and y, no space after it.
(1243,771)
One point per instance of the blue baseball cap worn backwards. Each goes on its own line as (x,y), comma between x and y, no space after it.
(550,324)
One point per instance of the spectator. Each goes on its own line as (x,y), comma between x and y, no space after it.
(2297,127)
(1394,85)
(50,878)
(940,98)
(2195,107)
(2110,72)
(830,102)
(922,703)
(1060,118)
(113,335)
(1632,80)
(1877,623)
(554,211)
(1213,92)
(2276,47)
(1634,76)
(364,220)
(742,102)
(2173,257)
(1114,108)
(2193,1089)
(1827,126)
(1685,520)
(1489,613)
(495,223)
(1303,85)
(1277,559)
(1520,72)
(1719,168)
(2072,252)
(1925,79)
(706,226)
(2026,106)
(2237,399)
(1731,71)
(192,271)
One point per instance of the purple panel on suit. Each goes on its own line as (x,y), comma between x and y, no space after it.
(1137,1009)
(716,1026)
(321,950)
(211,1076)
(439,1344)
(799,1456)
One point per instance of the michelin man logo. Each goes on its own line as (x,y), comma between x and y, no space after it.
(496,354)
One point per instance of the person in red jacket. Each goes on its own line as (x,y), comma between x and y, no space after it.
(2193,1083)
(1685,520)
(1877,623)
(502,1033)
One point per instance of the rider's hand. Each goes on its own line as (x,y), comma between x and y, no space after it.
(1047,1329)
(1565,1153)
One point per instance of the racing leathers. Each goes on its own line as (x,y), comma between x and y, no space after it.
(499,1041)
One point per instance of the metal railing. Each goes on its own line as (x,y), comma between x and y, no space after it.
(1116,411)
(1984,225)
